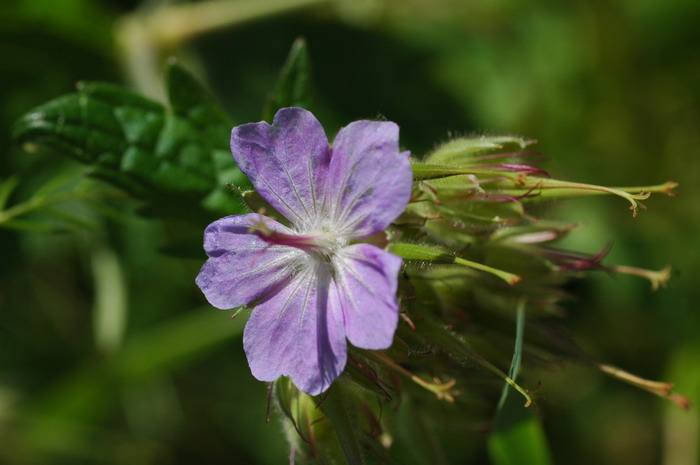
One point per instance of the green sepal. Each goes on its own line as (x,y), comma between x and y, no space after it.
(423,253)
(419,252)
(460,150)
(257,204)
(426,171)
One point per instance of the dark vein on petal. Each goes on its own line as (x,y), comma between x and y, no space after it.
(266,248)
(348,228)
(361,281)
(346,289)
(294,188)
(300,281)
(347,209)
(281,199)
(312,187)
(340,192)
(303,309)
(273,263)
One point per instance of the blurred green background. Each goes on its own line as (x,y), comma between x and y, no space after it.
(110,355)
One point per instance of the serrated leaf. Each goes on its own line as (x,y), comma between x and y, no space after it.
(191,101)
(293,88)
(173,160)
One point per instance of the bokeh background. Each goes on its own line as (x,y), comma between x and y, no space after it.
(109,354)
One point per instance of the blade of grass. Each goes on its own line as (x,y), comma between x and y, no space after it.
(518,436)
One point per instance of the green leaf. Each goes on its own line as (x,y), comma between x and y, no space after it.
(518,436)
(191,101)
(293,88)
(176,160)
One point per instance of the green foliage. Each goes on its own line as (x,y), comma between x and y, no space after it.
(60,205)
(463,150)
(176,160)
(430,254)
(293,88)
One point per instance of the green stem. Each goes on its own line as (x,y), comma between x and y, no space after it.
(510,278)
(38,203)
(419,252)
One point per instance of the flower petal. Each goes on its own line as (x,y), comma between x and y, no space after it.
(243,267)
(370,181)
(367,279)
(298,332)
(287,162)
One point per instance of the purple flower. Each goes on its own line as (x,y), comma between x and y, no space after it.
(312,286)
